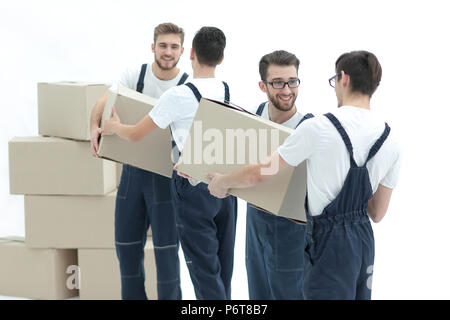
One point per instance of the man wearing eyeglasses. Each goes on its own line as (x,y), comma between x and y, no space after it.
(353,164)
(274,245)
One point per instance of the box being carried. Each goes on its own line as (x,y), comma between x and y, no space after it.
(153,152)
(64,108)
(224,138)
(36,273)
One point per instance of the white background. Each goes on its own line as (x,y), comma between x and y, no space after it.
(95,41)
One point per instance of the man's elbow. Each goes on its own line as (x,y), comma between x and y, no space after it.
(376,215)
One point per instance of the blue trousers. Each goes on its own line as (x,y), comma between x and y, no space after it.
(144,199)
(274,256)
(207,229)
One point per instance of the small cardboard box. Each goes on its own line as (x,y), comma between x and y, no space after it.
(225,138)
(46,165)
(35,273)
(64,108)
(100,273)
(153,152)
(69,221)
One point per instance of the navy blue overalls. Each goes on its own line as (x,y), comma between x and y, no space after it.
(207,229)
(274,252)
(144,199)
(340,250)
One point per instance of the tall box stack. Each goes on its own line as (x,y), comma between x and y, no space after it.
(69,202)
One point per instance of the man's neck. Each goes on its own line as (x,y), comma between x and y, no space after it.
(279,116)
(164,75)
(202,71)
(360,101)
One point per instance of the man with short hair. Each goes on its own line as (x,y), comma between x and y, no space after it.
(143,197)
(274,245)
(206,225)
(353,164)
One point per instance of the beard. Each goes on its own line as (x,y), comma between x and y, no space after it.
(280,105)
(164,67)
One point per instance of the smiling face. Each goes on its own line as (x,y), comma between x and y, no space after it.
(167,50)
(282,99)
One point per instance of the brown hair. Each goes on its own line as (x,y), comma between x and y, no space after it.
(364,71)
(168,28)
(279,58)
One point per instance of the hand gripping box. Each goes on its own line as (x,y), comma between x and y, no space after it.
(153,152)
(47,165)
(225,138)
(36,273)
(69,221)
(64,108)
(100,273)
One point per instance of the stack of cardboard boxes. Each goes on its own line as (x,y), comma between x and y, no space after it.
(70,195)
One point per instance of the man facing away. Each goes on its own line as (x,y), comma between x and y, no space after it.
(144,198)
(274,245)
(352,164)
(206,225)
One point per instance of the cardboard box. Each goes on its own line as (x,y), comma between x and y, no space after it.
(100,273)
(44,165)
(235,138)
(35,273)
(153,152)
(70,221)
(64,108)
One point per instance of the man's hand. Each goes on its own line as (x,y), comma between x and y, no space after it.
(110,125)
(181,174)
(217,185)
(95,134)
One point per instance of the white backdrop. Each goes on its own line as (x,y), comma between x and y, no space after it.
(95,40)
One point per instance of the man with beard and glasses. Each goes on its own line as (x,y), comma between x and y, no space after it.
(144,197)
(274,245)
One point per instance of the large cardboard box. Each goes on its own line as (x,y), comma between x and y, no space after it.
(36,273)
(64,108)
(45,165)
(69,221)
(153,152)
(223,139)
(100,273)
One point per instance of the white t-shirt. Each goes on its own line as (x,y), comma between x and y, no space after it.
(153,86)
(178,105)
(292,122)
(318,142)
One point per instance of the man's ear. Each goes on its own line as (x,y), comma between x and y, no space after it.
(345,78)
(192,55)
(220,61)
(153,47)
(262,86)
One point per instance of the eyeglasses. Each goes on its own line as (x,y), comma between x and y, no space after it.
(294,83)
(332,80)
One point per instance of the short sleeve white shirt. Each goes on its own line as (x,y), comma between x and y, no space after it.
(178,105)
(292,122)
(153,86)
(317,142)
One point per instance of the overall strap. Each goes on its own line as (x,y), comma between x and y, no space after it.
(140,84)
(227,92)
(195,91)
(377,145)
(306,116)
(260,108)
(344,136)
(183,79)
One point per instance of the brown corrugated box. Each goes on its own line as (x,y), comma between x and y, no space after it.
(45,165)
(35,273)
(153,152)
(64,108)
(100,273)
(283,194)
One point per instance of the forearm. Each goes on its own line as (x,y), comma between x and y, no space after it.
(127,132)
(97,112)
(247,176)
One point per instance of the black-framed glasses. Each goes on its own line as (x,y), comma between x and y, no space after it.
(332,80)
(293,83)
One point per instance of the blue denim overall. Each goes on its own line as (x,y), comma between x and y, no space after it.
(207,229)
(340,250)
(144,199)
(274,253)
